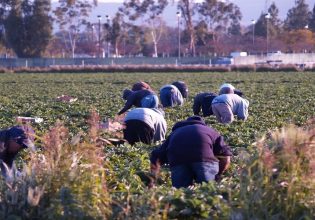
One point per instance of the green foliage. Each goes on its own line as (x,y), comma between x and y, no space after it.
(312,20)
(28,27)
(272,22)
(276,99)
(298,16)
(71,15)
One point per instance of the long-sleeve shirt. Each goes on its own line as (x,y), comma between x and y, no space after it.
(135,99)
(171,96)
(153,118)
(202,101)
(238,105)
(191,141)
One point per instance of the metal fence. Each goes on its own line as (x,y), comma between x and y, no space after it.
(49,62)
(306,59)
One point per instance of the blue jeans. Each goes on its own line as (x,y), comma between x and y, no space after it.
(150,101)
(185,175)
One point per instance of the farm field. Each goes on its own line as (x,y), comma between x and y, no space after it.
(117,188)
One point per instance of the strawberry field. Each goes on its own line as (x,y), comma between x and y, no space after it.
(89,180)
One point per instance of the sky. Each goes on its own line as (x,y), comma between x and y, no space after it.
(251,9)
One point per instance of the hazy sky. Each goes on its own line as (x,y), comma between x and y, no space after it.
(251,9)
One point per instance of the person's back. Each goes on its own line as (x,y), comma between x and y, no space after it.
(239,105)
(141,98)
(151,120)
(170,96)
(192,143)
(192,150)
(225,106)
(202,101)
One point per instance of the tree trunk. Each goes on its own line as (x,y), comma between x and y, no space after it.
(154,44)
(187,11)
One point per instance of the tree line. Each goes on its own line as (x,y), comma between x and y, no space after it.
(210,28)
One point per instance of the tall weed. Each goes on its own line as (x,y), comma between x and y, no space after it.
(66,179)
(279,182)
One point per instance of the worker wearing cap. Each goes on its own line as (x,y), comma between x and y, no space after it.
(141,98)
(12,141)
(228,104)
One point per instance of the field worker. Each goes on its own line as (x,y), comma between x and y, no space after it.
(12,141)
(144,125)
(140,86)
(182,87)
(142,98)
(226,89)
(171,96)
(228,104)
(202,101)
(194,151)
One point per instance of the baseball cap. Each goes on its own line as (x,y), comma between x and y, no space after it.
(23,134)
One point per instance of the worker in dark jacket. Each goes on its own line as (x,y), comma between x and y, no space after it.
(202,101)
(142,98)
(194,151)
(182,87)
(12,141)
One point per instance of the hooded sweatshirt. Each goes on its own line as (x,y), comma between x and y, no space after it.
(191,141)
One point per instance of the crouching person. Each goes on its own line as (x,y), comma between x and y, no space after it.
(144,125)
(12,141)
(194,151)
(141,98)
(202,102)
(228,104)
(174,94)
(141,85)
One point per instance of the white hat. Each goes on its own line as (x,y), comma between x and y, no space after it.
(227,85)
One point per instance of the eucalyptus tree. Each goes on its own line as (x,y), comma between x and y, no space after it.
(298,16)
(148,12)
(222,17)
(27,26)
(114,32)
(269,22)
(71,15)
(187,10)
(311,23)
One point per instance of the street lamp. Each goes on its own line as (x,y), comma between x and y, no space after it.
(178,23)
(108,35)
(253,22)
(267,16)
(99,35)
(92,39)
